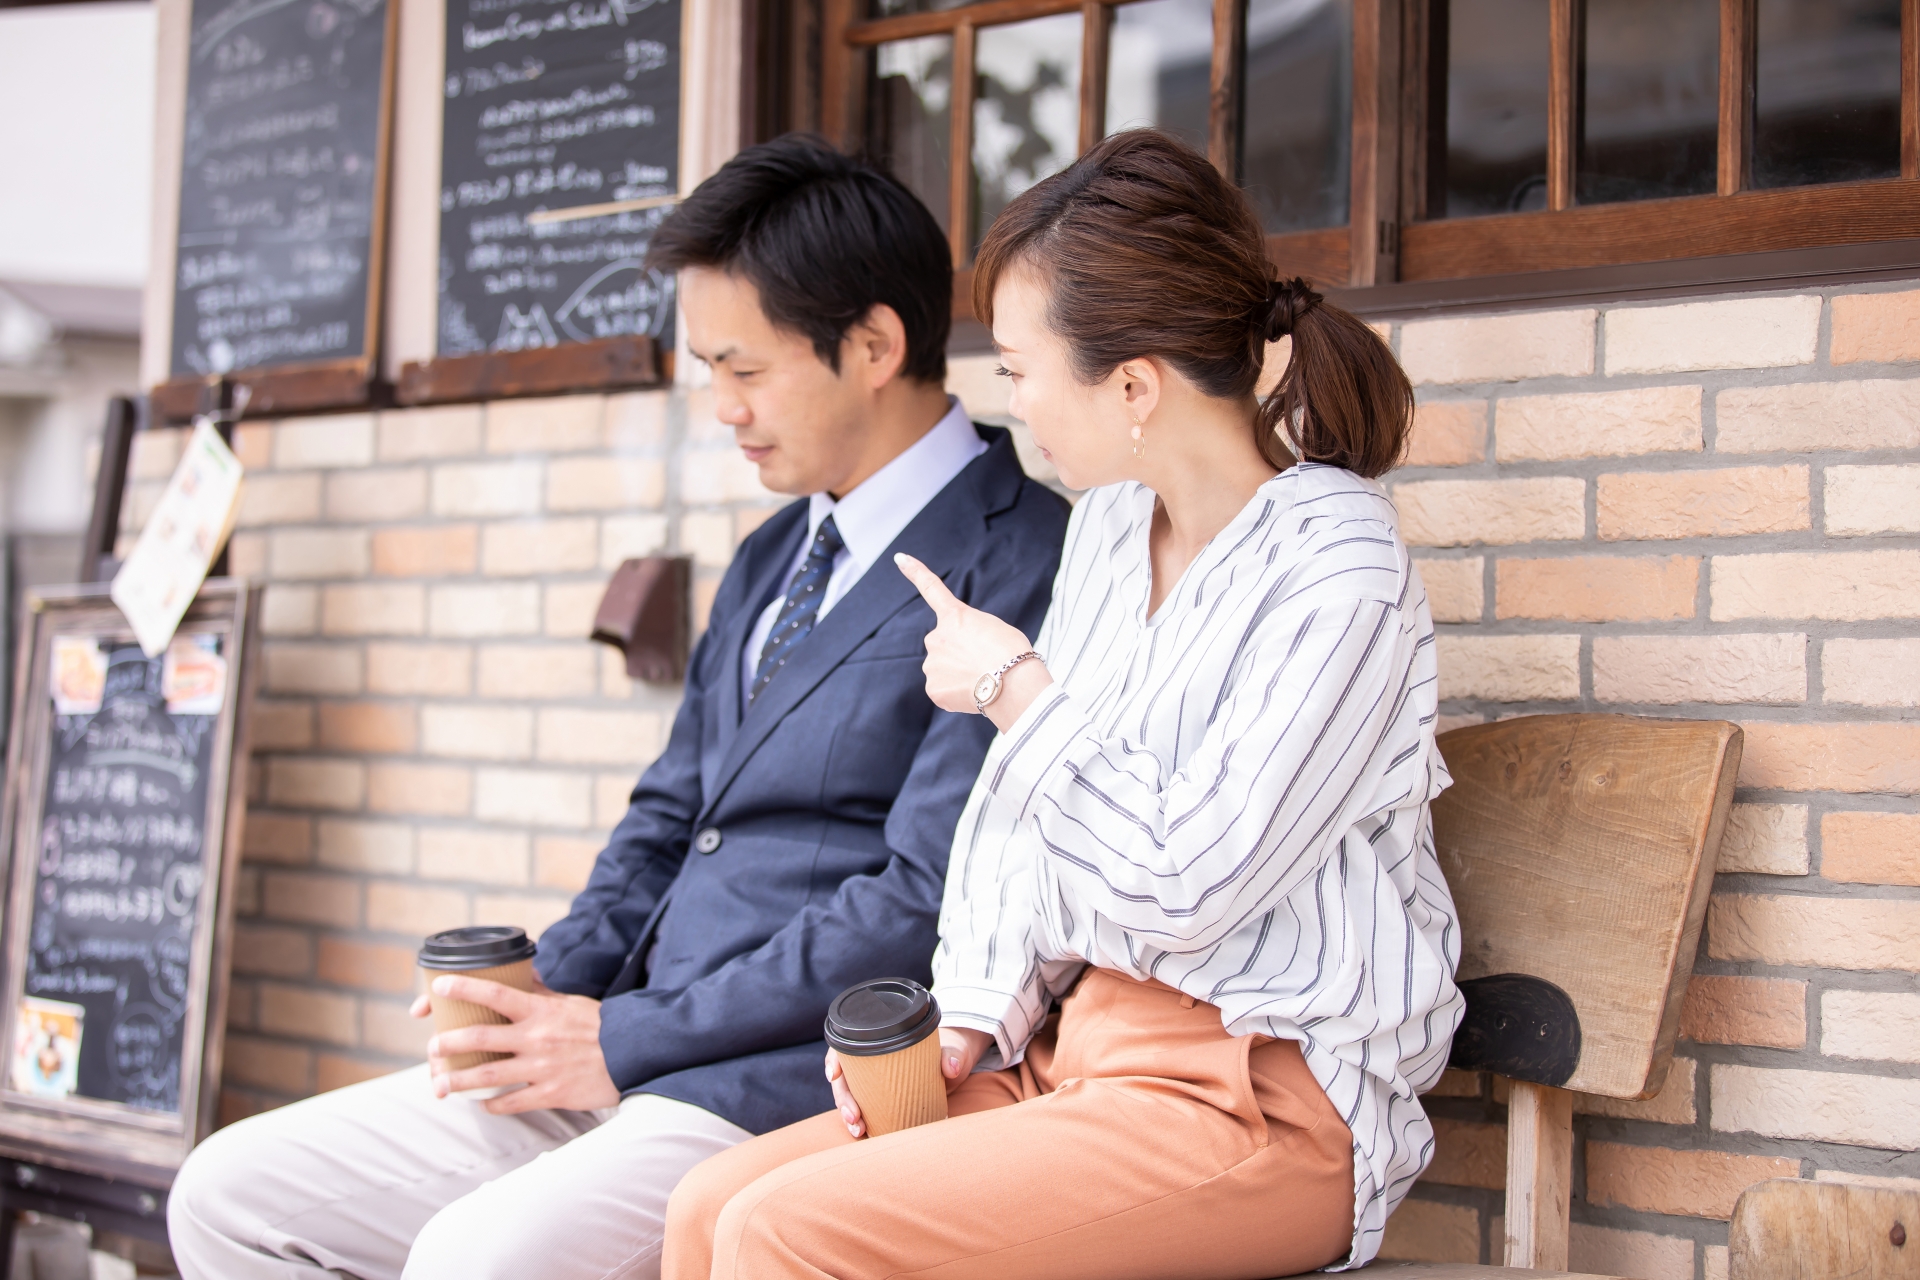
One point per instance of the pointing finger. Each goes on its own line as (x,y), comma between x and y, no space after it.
(945,604)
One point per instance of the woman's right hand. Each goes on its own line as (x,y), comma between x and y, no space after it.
(960,1049)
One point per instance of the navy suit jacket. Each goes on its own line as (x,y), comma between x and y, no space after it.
(776,854)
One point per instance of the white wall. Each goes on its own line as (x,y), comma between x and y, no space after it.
(76,142)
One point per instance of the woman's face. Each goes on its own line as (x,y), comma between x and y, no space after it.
(1085,431)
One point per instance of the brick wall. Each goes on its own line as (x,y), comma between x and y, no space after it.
(1706,509)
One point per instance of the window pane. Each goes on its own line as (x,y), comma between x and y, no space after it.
(1296,133)
(1652,108)
(910,117)
(1496,129)
(892,8)
(1826,92)
(1026,109)
(1159,67)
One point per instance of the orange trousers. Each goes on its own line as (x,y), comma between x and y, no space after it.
(1137,1139)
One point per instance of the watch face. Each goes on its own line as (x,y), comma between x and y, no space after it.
(984,691)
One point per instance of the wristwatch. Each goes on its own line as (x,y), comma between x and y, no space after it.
(988,687)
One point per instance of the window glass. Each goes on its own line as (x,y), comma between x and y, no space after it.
(910,117)
(1296,126)
(1159,68)
(1026,109)
(1495,160)
(894,8)
(1651,111)
(1826,92)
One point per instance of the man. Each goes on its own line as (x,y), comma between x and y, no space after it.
(791,840)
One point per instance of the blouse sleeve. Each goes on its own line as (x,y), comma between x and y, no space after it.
(1289,761)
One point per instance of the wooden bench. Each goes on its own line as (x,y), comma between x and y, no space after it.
(1792,1229)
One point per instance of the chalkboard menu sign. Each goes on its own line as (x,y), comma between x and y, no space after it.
(282,184)
(123,806)
(556,105)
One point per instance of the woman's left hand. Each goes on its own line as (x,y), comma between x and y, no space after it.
(968,643)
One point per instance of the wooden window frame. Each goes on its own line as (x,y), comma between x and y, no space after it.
(1389,256)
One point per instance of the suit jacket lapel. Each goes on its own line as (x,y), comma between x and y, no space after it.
(766,581)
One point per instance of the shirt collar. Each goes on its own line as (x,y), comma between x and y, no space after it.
(872,516)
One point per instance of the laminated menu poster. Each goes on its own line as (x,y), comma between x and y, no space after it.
(181,539)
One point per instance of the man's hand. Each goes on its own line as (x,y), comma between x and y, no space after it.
(960,1048)
(554,1040)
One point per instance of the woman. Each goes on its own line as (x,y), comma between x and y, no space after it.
(1204,823)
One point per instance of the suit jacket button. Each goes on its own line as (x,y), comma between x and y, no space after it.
(708,840)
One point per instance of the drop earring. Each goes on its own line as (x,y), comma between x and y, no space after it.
(1139,440)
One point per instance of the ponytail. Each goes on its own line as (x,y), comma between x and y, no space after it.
(1343,399)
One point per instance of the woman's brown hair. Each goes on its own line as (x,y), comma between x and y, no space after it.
(1146,250)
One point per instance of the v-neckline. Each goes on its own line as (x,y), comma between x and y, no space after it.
(1151,618)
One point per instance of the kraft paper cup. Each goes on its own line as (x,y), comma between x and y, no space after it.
(492,953)
(884,1034)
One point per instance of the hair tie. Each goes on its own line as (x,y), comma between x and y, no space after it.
(1288,302)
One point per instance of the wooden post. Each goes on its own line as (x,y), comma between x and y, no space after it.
(110,483)
(1539,1176)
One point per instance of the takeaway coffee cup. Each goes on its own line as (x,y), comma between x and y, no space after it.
(494,952)
(884,1033)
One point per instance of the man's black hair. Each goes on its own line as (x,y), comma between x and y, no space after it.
(823,238)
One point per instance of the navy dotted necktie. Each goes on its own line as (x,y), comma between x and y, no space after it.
(802,609)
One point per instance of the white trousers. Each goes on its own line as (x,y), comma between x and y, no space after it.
(383,1180)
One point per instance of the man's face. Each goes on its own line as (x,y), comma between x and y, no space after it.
(802,424)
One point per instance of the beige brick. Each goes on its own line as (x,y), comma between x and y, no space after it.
(564,862)
(1691,1184)
(1598,424)
(310,898)
(465,731)
(373,609)
(1447,433)
(1641,1254)
(612,797)
(1510,668)
(1873,500)
(486,488)
(606,484)
(1873,673)
(1736,333)
(556,424)
(1823,933)
(408,435)
(341,440)
(638,419)
(1498,348)
(308,1014)
(1597,588)
(1719,668)
(1449,513)
(538,670)
(269,1064)
(318,553)
(313,668)
(630,537)
(1807,417)
(432,669)
(272,951)
(281,726)
(350,844)
(571,736)
(614,680)
(388,1028)
(534,797)
(1456,589)
(281,838)
(1843,586)
(529,547)
(430,790)
(711,477)
(1467,1154)
(272,499)
(982,391)
(1426,1231)
(532,912)
(708,537)
(1731,1010)
(1881,327)
(502,609)
(480,855)
(374,728)
(1870,1025)
(570,607)
(367,966)
(1715,1262)
(253,445)
(444,551)
(1702,504)
(338,1070)
(1766,839)
(1870,848)
(246,555)
(415,909)
(294,783)
(1672,1105)
(355,497)
(1832,757)
(747,519)
(1817,1106)
(288,610)
(1866,1180)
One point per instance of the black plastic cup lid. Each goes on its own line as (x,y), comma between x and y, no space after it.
(881,1016)
(481,946)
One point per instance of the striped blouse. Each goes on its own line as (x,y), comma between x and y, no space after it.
(1232,797)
